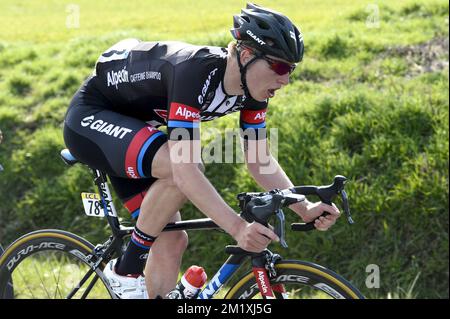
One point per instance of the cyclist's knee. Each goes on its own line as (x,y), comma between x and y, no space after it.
(161,166)
(172,243)
(182,240)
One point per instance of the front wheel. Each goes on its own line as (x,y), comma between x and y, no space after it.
(51,264)
(301,280)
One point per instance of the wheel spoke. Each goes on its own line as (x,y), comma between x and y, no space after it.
(22,277)
(40,278)
(57,290)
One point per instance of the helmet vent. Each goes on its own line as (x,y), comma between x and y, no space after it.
(280,20)
(263,25)
(287,40)
(245,18)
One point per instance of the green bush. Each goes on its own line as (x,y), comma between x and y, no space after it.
(424,10)
(37,160)
(12,56)
(52,111)
(335,47)
(19,85)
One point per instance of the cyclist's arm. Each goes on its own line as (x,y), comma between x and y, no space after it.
(185,157)
(190,180)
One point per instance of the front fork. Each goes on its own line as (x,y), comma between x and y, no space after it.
(263,266)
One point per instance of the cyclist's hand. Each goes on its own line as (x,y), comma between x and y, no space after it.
(254,237)
(314,210)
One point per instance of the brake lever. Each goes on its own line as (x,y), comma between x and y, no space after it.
(324,195)
(346,207)
(280,228)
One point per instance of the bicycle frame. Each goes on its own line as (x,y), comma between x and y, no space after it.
(226,271)
(233,263)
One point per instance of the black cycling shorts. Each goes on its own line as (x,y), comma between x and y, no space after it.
(121,146)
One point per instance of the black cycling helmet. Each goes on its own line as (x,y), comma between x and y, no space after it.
(268,31)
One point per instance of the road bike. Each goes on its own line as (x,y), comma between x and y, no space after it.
(56,264)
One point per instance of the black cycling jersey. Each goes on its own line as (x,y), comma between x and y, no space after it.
(112,120)
(170,83)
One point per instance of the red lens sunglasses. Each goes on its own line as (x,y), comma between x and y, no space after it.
(280,67)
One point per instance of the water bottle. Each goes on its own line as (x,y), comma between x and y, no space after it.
(190,284)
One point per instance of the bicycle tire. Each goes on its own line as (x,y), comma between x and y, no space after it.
(301,274)
(44,249)
(9,291)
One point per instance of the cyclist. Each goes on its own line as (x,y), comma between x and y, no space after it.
(112,124)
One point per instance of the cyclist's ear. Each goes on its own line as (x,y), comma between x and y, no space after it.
(246,55)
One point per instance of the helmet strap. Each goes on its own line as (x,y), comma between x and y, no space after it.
(243,70)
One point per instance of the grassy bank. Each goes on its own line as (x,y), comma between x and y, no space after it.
(370,101)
